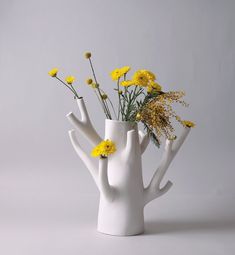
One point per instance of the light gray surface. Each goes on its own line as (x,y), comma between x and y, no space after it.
(61,224)
(190,45)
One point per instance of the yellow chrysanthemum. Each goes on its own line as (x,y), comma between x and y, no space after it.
(116,74)
(141,78)
(103,149)
(127,83)
(70,79)
(188,123)
(53,72)
(125,69)
(150,75)
(96,152)
(119,72)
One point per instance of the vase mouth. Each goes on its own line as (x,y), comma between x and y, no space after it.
(119,121)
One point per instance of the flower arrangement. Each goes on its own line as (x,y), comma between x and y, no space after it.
(118,176)
(140,99)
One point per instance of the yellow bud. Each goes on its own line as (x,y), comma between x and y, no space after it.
(104,97)
(120,92)
(138,116)
(89,81)
(87,55)
(178,118)
(172,138)
(95,85)
(188,123)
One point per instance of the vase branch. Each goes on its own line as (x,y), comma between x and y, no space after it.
(171,148)
(84,157)
(105,189)
(84,125)
(144,141)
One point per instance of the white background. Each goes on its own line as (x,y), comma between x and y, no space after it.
(188,44)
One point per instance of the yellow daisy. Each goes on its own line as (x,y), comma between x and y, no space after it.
(53,72)
(70,79)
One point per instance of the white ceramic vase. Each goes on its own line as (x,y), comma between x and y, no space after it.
(119,177)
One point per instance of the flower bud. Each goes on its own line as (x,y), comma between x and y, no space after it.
(89,81)
(138,117)
(53,72)
(87,55)
(104,97)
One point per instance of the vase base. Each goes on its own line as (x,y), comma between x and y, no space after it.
(121,233)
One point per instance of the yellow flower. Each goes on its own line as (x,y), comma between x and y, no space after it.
(103,149)
(119,72)
(127,83)
(153,86)
(187,123)
(89,81)
(87,55)
(141,78)
(104,97)
(125,69)
(96,152)
(116,74)
(150,75)
(70,79)
(149,89)
(53,72)
(158,112)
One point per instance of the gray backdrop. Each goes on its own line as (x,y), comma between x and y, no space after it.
(190,45)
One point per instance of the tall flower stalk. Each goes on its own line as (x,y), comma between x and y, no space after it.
(103,96)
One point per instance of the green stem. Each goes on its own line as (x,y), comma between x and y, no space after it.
(105,108)
(71,89)
(74,91)
(119,98)
(110,104)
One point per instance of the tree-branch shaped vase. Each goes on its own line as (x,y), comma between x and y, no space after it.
(119,177)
